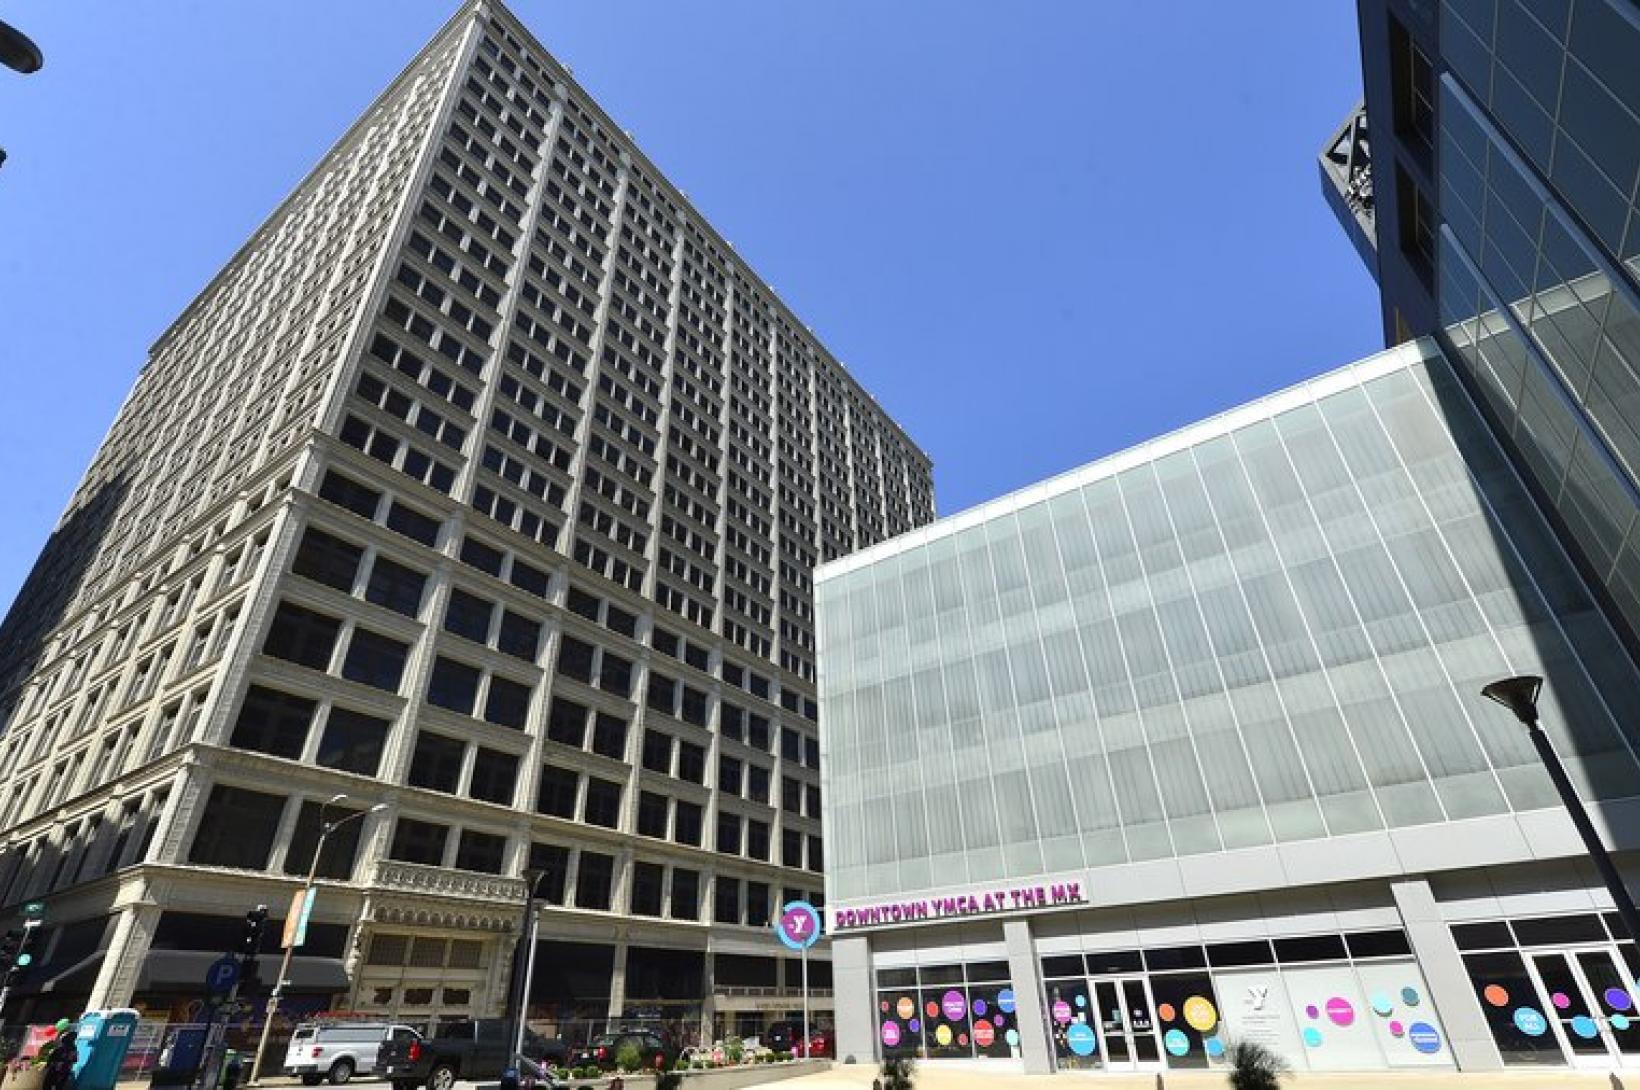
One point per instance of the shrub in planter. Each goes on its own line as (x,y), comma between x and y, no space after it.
(628,1058)
(1254,1066)
(896,1075)
(733,1049)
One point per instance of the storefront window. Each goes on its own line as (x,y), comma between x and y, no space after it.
(1510,1003)
(1188,1014)
(947,1012)
(1069,1014)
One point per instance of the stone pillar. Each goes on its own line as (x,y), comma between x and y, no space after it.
(708,997)
(127,949)
(853,998)
(1029,1017)
(1449,986)
(617,982)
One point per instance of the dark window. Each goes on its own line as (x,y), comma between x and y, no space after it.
(657,751)
(550,862)
(530,580)
(1310,948)
(726,900)
(811,752)
(413,524)
(352,741)
(757,904)
(520,637)
(662,694)
(326,559)
(694,707)
(579,601)
(728,833)
(237,828)
(646,888)
(341,846)
(603,805)
(302,636)
(789,700)
(619,620)
(1063,965)
(664,642)
(791,744)
(1417,224)
(732,722)
(436,762)
(757,783)
(757,732)
(375,660)
(567,722)
(593,880)
(685,903)
(556,795)
(273,722)
(817,856)
(609,736)
(734,675)
(348,493)
(495,774)
(811,800)
(1377,944)
(1553,930)
(728,775)
(615,675)
(757,839)
(480,851)
(691,762)
(1175,957)
(395,586)
(758,684)
(468,615)
(1253,952)
(508,703)
(652,809)
(419,842)
(1413,96)
(575,659)
(481,556)
(686,822)
(791,848)
(454,685)
(791,795)
(1505,971)
(1108,961)
(1481,936)
(698,657)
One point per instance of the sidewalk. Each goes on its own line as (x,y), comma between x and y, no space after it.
(859,1076)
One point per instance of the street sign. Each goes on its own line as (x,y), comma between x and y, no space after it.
(222,975)
(798,925)
(34,909)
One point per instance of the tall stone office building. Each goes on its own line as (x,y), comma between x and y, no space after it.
(486,483)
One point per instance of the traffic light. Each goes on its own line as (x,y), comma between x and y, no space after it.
(9,945)
(256,921)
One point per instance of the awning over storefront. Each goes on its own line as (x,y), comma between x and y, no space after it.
(170,969)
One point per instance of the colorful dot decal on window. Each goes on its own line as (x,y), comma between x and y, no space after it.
(1312,1011)
(916,1025)
(1176,1043)
(1200,1014)
(1000,1020)
(1618,999)
(1396,1029)
(1166,1012)
(1061,1011)
(1561,1000)
(891,1034)
(1081,1001)
(955,1005)
(942,1034)
(1012,1037)
(1312,1037)
(1381,1004)
(883,1006)
(1619,1022)
(962,1039)
(1214,1047)
(1424,1038)
(984,1033)
(932,1009)
(1530,1021)
(1005,1000)
(1079,1039)
(1340,1012)
(1496,994)
(906,1007)
(1585,1027)
(1409,996)
(980,1007)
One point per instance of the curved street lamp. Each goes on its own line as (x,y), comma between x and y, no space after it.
(325,829)
(1520,695)
(17,51)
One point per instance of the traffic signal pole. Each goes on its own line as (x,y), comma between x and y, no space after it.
(16,959)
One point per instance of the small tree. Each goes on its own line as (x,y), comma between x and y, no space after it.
(628,1058)
(1254,1066)
(733,1049)
(896,1074)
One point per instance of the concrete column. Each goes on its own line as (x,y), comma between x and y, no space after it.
(1029,1017)
(127,949)
(853,994)
(708,1000)
(617,982)
(1449,986)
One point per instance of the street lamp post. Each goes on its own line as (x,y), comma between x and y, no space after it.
(19,54)
(532,923)
(325,829)
(1519,695)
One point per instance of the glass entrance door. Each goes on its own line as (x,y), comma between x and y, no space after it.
(1126,1024)
(1591,1006)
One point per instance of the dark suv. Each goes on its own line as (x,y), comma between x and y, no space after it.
(604,1051)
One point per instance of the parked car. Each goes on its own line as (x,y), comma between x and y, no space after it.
(478,1050)
(604,1051)
(335,1050)
(780,1036)
(820,1045)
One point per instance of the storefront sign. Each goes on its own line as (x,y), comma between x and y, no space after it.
(976,903)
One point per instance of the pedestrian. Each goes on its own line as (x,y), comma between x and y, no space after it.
(65,1053)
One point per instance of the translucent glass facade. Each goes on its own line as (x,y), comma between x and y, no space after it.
(1270,627)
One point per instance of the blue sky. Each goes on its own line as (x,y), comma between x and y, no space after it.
(1037,231)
